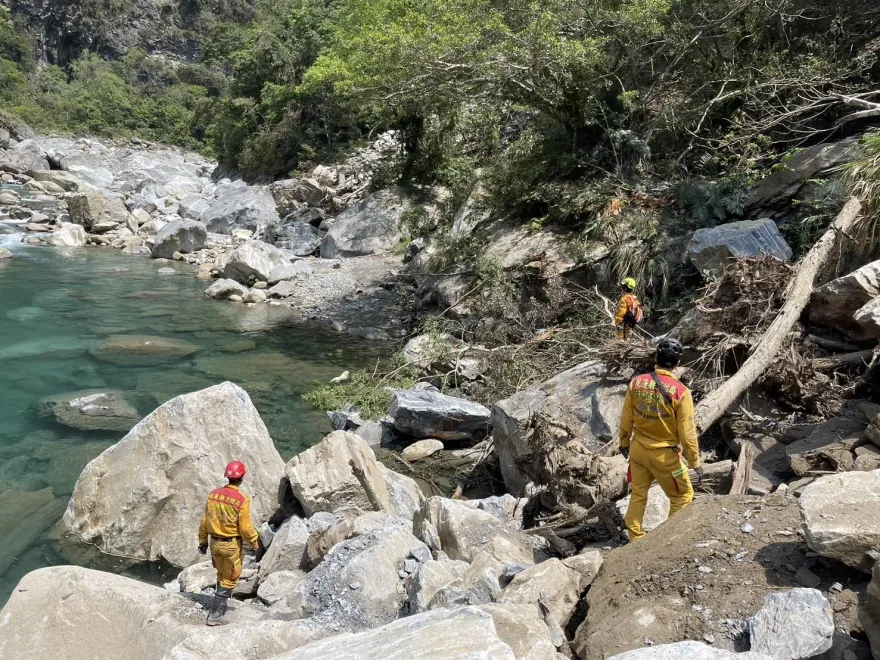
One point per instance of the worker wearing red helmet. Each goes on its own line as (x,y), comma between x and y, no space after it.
(227,521)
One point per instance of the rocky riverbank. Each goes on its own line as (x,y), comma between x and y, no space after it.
(360,564)
(312,243)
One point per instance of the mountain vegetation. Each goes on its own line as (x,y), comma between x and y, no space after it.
(559,104)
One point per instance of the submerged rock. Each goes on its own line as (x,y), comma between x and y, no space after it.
(91,410)
(140,350)
(5,254)
(144,496)
(222,289)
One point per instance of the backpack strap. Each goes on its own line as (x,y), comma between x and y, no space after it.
(663,392)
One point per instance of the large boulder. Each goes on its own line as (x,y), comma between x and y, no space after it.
(430,414)
(777,189)
(580,400)
(371,227)
(144,496)
(868,317)
(141,350)
(552,583)
(241,208)
(182,236)
(841,517)
(463,531)
(95,169)
(254,640)
(297,237)
(64,180)
(686,651)
(834,304)
(339,474)
(253,260)
(21,162)
(292,195)
(405,494)
(513,244)
(68,235)
(91,410)
(711,247)
(465,633)
(430,579)
(357,586)
(193,207)
(792,625)
(92,209)
(72,612)
(523,629)
(287,552)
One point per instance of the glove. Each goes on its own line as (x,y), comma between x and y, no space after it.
(203,548)
(619,328)
(625,452)
(259,552)
(699,472)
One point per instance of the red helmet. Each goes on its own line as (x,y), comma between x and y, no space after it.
(235,470)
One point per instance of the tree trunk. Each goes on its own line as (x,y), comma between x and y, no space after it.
(710,409)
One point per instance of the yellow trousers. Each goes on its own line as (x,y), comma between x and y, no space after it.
(624,333)
(226,557)
(663,466)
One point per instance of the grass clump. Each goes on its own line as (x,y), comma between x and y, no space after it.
(368,391)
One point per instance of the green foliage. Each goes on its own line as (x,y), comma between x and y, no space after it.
(138,95)
(862,179)
(366,390)
(710,203)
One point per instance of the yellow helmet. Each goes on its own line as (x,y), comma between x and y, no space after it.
(629,283)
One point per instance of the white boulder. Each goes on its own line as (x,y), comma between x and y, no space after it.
(686,651)
(184,236)
(222,289)
(841,517)
(371,227)
(144,497)
(793,625)
(254,259)
(339,474)
(466,633)
(69,235)
(552,582)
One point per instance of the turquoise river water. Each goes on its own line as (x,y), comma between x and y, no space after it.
(56,304)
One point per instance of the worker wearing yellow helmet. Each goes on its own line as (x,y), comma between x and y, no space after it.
(629,311)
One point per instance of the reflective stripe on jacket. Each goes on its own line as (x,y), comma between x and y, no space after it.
(650,421)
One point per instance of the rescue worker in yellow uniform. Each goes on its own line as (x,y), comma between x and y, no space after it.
(227,521)
(656,425)
(627,309)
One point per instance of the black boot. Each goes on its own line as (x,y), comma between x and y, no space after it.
(219,605)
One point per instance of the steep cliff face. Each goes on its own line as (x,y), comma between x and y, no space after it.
(64,29)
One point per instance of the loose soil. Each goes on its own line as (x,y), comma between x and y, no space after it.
(703,573)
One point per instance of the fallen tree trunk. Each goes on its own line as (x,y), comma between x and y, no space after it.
(710,409)
(858,358)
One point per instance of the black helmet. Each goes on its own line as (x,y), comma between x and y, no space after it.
(669,353)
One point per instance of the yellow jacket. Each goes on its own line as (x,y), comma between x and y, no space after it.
(228,514)
(648,419)
(625,304)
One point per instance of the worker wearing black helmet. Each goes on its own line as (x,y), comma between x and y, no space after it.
(657,424)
